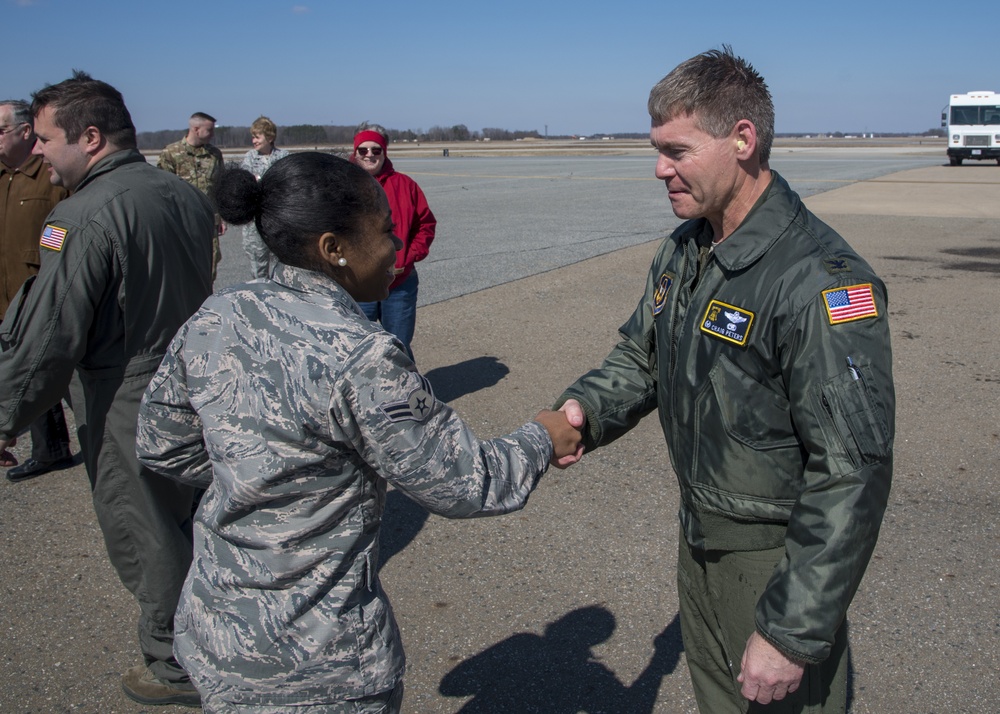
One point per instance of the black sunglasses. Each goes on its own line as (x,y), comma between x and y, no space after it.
(363,150)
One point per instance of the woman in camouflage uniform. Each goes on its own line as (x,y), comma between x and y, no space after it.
(263,132)
(295,412)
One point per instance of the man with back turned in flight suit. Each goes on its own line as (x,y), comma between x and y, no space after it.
(125,260)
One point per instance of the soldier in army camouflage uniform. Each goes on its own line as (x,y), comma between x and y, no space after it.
(295,412)
(199,163)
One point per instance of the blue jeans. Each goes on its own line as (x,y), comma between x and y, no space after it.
(398,312)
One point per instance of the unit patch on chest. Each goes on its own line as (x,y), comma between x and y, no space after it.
(727,322)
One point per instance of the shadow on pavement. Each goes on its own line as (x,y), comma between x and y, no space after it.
(557,673)
(466,377)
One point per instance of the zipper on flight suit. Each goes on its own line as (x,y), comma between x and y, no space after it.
(673,324)
(687,286)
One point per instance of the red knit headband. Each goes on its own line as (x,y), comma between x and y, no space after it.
(363,136)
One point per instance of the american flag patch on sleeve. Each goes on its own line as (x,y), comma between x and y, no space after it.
(53,237)
(854,302)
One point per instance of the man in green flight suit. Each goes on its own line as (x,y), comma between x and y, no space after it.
(125,260)
(762,341)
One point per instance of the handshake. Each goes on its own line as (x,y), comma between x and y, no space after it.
(565,429)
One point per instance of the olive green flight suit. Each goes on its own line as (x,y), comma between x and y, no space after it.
(125,260)
(768,361)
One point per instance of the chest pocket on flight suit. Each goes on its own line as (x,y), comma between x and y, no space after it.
(752,414)
(746,445)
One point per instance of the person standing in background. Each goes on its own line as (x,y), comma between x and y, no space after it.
(413,223)
(26,197)
(263,132)
(198,162)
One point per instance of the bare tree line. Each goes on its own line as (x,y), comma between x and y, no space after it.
(234,137)
(229,137)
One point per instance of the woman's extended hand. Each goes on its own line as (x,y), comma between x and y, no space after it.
(566,439)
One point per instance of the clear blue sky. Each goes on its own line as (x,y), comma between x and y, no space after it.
(578,67)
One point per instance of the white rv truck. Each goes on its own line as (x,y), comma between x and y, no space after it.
(973,122)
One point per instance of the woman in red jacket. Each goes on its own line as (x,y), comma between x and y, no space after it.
(413,224)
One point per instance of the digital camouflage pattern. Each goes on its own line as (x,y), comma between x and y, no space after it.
(295,412)
(257,163)
(258,253)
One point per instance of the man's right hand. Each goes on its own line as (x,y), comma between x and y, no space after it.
(766,673)
(577,419)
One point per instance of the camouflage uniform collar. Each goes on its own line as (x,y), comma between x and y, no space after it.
(196,150)
(310,281)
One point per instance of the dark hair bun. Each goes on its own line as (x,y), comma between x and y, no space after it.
(237,196)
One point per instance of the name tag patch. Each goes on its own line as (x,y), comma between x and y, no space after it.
(727,322)
(660,296)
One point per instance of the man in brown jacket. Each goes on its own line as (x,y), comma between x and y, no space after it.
(26,197)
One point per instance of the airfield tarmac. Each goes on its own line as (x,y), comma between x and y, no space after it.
(556,608)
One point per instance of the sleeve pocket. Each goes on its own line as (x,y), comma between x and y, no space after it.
(855,418)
